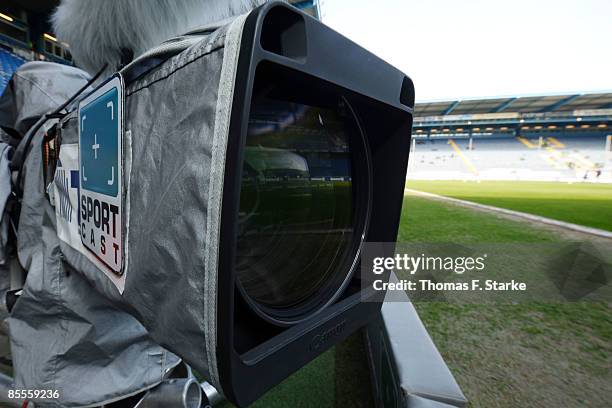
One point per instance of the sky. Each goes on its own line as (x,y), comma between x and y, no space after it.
(458,49)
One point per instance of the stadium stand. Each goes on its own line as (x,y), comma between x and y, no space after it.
(550,137)
(25,35)
(9,62)
(311,7)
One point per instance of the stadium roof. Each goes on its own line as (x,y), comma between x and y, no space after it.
(37,6)
(525,104)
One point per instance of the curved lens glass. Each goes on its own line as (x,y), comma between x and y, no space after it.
(296,202)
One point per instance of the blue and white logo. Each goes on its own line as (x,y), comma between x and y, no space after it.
(100,212)
(99,144)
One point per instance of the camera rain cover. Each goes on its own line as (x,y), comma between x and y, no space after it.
(145,211)
(64,335)
(222,193)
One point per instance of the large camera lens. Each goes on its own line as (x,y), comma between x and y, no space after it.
(297,235)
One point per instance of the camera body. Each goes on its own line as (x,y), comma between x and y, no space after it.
(310,62)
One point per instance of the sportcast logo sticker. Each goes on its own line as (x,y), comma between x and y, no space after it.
(101,173)
(88,184)
(68,218)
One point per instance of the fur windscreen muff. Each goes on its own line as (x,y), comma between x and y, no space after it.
(106,31)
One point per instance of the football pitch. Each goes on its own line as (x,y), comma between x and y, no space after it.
(586,204)
(528,354)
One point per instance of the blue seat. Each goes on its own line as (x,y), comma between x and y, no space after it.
(9,63)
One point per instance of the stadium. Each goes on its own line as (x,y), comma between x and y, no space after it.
(532,138)
(525,169)
(25,35)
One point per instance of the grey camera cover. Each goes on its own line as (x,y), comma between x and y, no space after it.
(64,335)
(176,120)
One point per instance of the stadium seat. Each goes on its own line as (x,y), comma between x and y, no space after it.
(9,63)
(505,158)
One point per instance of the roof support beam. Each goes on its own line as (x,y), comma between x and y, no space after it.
(557,105)
(450,108)
(503,105)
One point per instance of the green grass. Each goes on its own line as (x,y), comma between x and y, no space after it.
(337,378)
(311,386)
(426,220)
(579,203)
(528,354)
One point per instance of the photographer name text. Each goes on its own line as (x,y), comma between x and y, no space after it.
(429,285)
